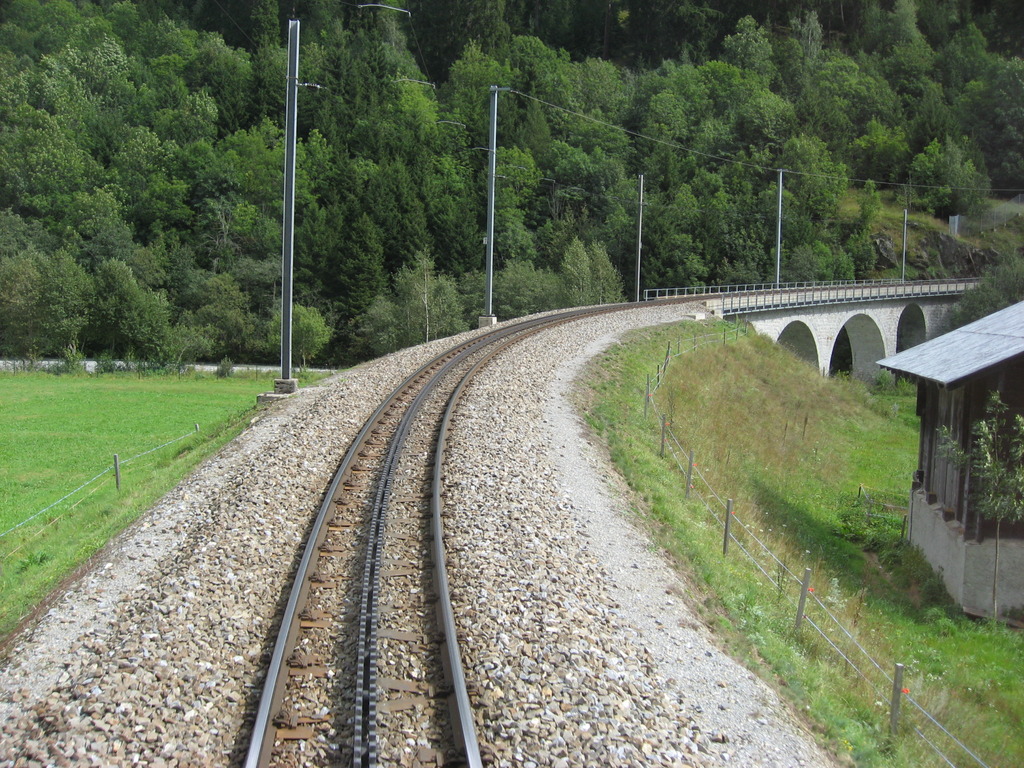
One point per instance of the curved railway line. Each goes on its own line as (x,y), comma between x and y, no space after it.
(380,527)
(172,638)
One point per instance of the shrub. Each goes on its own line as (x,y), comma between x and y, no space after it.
(105,363)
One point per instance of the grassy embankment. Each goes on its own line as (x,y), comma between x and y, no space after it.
(61,431)
(793,449)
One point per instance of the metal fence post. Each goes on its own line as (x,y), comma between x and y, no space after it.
(728,521)
(117,471)
(664,422)
(803,599)
(689,476)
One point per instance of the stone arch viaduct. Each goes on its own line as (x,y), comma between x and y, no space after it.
(848,326)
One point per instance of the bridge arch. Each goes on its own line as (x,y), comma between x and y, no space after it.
(852,335)
(798,337)
(912,328)
(857,348)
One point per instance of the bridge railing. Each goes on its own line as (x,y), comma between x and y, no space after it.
(754,297)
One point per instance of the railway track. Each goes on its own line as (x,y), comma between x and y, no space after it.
(159,657)
(366,664)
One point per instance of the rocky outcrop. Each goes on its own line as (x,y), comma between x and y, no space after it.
(935,253)
(885,251)
(954,257)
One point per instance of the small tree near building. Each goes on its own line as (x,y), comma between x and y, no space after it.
(996,464)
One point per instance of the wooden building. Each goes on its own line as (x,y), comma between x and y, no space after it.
(956,375)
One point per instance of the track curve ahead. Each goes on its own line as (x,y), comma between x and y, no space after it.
(301,718)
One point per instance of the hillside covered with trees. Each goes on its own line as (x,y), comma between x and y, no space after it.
(141,149)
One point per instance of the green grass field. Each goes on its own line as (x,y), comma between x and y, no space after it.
(793,450)
(60,432)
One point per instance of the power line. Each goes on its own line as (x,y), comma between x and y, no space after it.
(419,50)
(237,25)
(637,134)
(668,206)
(756,166)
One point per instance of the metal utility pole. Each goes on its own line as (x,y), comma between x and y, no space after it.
(287,383)
(903,276)
(778,237)
(639,234)
(492,163)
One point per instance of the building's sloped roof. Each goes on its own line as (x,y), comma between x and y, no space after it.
(958,355)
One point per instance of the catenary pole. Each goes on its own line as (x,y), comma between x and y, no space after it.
(903,276)
(778,236)
(639,234)
(288,228)
(492,163)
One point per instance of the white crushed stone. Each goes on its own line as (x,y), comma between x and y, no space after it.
(762,729)
(152,655)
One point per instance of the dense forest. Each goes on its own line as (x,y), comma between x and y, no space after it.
(141,155)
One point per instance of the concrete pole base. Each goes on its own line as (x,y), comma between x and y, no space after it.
(486,321)
(283,389)
(286,386)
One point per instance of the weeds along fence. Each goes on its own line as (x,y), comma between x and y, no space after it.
(807,607)
(53,513)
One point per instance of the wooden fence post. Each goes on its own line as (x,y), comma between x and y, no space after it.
(689,476)
(728,522)
(803,599)
(897,694)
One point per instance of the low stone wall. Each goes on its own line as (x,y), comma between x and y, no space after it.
(966,567)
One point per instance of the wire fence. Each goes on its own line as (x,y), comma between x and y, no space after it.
(886,686)
(990,219)
(114,468)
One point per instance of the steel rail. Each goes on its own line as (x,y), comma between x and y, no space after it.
(365,740)
(261,742)
(263,732)
(463,728)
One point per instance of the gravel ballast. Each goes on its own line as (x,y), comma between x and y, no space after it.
(580,647)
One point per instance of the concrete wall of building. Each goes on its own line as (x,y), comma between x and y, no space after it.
(979,562)
(967,567)
(940,542)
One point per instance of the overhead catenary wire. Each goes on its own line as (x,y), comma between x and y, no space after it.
(655,204)
(237,25)
(747,164)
